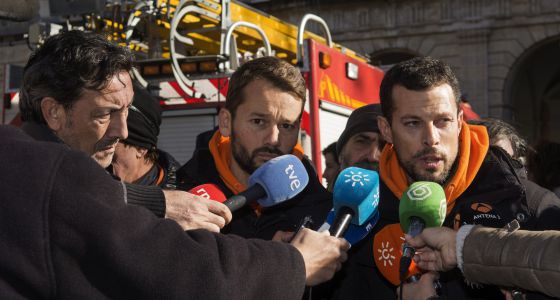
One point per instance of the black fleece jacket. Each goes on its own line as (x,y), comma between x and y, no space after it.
(314,200)
(67,233)
(150,197)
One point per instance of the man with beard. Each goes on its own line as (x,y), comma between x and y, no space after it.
(76,90)
(360,143)
(260,121)
(427,140)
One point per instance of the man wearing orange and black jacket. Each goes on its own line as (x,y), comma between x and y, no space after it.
(427,140)
(260,121)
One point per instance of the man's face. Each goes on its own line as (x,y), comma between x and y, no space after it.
(362,150)
(331,170)
(265,126)
(126,160)
(424,131)
(97,120)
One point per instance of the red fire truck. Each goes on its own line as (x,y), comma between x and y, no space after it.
(219,38)
(186,51)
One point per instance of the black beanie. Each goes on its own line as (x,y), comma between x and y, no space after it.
(363,119)
(144,119)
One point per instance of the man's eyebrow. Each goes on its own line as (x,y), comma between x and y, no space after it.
(365,136)
(409,116)
(257,114)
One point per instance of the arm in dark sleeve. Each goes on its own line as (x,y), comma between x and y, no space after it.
(102,247)
(147,196)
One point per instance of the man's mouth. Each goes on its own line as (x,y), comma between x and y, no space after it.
(108,147)
(431,161)
(266,155)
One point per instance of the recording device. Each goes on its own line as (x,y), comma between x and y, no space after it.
(355,199)
(279,179)
(209,191)
(422,205)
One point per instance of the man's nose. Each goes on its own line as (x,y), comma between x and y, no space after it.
(117,127)
(374,153)
(272,136)
(431,135)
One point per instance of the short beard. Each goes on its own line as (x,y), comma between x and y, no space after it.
(245,161)
(442,179)
(364,164)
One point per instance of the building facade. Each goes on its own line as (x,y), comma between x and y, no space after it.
(506,53)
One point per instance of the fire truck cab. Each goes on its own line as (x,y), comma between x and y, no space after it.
(187,50)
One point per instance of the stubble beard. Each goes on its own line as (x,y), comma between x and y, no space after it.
(428,175)
(246,162)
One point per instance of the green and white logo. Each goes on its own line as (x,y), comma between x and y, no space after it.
(420,192)
(442,209)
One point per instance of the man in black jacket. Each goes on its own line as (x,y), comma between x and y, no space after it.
(260,121)
(137,159)
(76,90)
(427,140)
(67,233)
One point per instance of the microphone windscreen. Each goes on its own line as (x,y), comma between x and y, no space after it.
(387,253)
(282,177)
(209,191)
(357,189)
(354,233)
(424,200)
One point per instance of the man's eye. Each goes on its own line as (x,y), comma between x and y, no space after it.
(257,121)
(288,126)
(103,116)
(411,123)
(444,121)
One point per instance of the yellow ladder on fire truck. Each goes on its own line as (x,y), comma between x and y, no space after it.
(225,31)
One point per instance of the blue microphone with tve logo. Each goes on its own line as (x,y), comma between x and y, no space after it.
(276,181)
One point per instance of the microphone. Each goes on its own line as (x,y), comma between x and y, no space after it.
(422,205)
(354,233)
(209,191)
(355,199)
(279,179)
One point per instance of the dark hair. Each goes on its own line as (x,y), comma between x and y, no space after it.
(544,165)
(498,129)
(279,73)
(65,65)
(417,74)
(332,150)
(152,154)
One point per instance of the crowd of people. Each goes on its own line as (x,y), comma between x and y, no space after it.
(92,208)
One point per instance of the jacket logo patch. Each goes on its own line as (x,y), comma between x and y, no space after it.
(481,207)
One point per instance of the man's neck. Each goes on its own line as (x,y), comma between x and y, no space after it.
(238,172)
(134,174)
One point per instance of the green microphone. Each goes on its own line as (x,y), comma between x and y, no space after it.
(422,205)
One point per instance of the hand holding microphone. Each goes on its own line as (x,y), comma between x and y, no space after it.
(322,254)
(422,205)
(192,211)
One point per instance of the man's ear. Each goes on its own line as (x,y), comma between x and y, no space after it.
(140,152)
(460,118)
(54,113)
(385,129)
(224,122)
